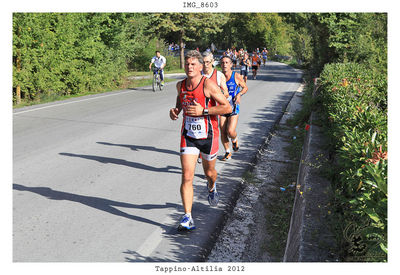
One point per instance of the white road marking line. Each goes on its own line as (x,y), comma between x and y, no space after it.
(66,103)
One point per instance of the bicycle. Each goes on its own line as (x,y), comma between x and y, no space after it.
(157,79)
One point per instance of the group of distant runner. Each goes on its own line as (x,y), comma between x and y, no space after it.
(210,103)
(245,61)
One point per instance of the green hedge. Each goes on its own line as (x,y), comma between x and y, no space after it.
(73,53)
(354,102)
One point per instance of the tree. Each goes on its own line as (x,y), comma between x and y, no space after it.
(187,26)
(340,37)
(69,53)
(255,30)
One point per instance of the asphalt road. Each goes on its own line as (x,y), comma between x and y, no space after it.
(96,179)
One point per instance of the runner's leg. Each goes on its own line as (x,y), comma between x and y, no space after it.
(231,126)
(224,135)
(188,163)
(210,172)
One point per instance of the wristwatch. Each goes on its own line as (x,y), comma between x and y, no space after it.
(205,112)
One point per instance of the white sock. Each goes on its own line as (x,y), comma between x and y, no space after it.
(228,150)
(189,215)
(234,140)
(213,189)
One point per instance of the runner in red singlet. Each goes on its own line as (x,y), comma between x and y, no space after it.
(216,76)
(213,74)
(201,101)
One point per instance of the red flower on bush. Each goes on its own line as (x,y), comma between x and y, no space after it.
(307,127)
(377,156)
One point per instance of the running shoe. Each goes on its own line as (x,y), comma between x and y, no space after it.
(227,156)
(235,146)
(213,197)
(186,223)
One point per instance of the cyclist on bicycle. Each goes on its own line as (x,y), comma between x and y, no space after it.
(159,63)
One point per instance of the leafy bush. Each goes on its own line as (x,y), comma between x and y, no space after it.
(142,60)
(355,107)
(71,53)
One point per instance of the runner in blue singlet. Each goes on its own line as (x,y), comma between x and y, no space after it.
(233,90)
(264,55)
(236,87)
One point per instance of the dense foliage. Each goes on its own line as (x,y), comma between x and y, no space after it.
(186,27)
(355,106)
(70,53)
(321,38)
(349,53)
(255,30)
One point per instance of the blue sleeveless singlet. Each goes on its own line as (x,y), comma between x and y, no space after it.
(233,90)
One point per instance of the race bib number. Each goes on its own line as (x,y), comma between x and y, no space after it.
(196,127)
(254,63)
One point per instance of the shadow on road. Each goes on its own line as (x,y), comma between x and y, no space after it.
(97,203)
(188,246)
(132,164)
(137,165)
(146,88)
(141,147)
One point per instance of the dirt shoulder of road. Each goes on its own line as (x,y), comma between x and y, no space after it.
(278,217)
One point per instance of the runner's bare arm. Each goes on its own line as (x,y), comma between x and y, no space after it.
(239,80)
(248,62)
(174,112)
(223,86)
(211,90)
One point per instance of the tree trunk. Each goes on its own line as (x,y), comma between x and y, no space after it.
(18,94)
(182,50)
(18,90)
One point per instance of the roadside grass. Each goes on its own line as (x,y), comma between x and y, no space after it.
(278,210)
(143,73)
